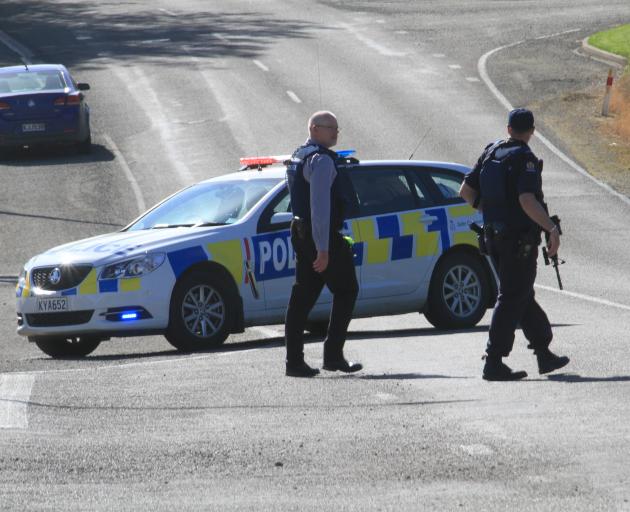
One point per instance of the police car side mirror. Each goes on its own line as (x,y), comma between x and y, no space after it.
(83,87)
(281,218)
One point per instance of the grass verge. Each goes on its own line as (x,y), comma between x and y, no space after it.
(616,40)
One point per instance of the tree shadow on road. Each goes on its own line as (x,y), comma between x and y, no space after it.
(77,33)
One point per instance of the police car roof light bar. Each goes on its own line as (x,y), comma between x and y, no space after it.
(253,162)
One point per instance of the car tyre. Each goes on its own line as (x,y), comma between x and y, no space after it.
(203,311)
(85,146)
(459,292)
(59,348)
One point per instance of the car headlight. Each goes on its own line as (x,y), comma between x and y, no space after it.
(135,267)
(22,277)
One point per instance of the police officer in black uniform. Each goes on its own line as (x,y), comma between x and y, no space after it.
(321,197)
(506,185)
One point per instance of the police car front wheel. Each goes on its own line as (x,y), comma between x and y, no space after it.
(78,346)
(202,312)
(459,292)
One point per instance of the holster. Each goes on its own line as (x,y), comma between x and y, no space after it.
(302,228)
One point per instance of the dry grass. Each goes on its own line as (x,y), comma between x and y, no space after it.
(620,108)
(599,144)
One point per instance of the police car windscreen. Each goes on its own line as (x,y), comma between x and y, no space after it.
(207,204)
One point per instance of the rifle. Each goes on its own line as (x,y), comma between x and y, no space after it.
(554,259)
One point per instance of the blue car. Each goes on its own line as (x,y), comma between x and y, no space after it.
(42,104)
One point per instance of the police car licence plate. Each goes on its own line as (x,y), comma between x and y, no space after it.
(52,305)
(34,127)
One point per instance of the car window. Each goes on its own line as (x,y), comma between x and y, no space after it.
(31,81)
(382,191)
(284,205)
(420,188)
(448,184)
(220,202)
(280,204)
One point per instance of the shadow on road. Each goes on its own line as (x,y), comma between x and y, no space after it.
(77,32)
(572,378)
(55,155)
(409,376)
(62,219)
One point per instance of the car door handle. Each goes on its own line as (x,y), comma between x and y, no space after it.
(428,219)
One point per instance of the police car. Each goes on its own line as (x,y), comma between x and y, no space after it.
(216,257)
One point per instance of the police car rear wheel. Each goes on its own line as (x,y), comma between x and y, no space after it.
(79,346)
(459,292)
(202,312)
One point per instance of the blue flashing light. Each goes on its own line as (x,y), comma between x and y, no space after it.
(129,316)
(344,153)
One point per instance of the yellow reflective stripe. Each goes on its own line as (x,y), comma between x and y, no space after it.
(88,286)
(26,291)
(426,242)
(465,237)
(378,251)
(230,255)
(129,285)
(461,211)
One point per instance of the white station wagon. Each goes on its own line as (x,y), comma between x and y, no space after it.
(216,257)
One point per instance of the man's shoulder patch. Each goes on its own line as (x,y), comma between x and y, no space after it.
(530,166)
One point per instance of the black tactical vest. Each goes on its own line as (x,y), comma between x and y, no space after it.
(300,189)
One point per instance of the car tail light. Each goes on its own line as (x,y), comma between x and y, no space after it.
(69,100)
(4,106)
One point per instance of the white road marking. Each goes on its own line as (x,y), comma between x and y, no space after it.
(137,192)
(481,66)
(261,65)
(454,66)
(588,298)
(153,41)
(472,79)
(371,43)
(166,11)
(140,88)
(294,96)
(477,449)
(18,48)
(15,392)
(439,55)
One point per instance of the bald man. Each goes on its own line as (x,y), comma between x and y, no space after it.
(321,197)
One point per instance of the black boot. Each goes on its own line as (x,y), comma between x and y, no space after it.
(548,361)
(341,365)
(495,369)
(300,369)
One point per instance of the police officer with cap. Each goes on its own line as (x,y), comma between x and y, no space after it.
(321,197)
(506,185)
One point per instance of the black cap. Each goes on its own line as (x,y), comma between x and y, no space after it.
(521,120)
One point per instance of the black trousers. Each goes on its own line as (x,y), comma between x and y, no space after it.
(516,303)
(340,278)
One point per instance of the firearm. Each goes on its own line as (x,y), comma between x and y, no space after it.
(554,259)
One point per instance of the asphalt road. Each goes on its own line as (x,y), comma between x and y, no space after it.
(181,90)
